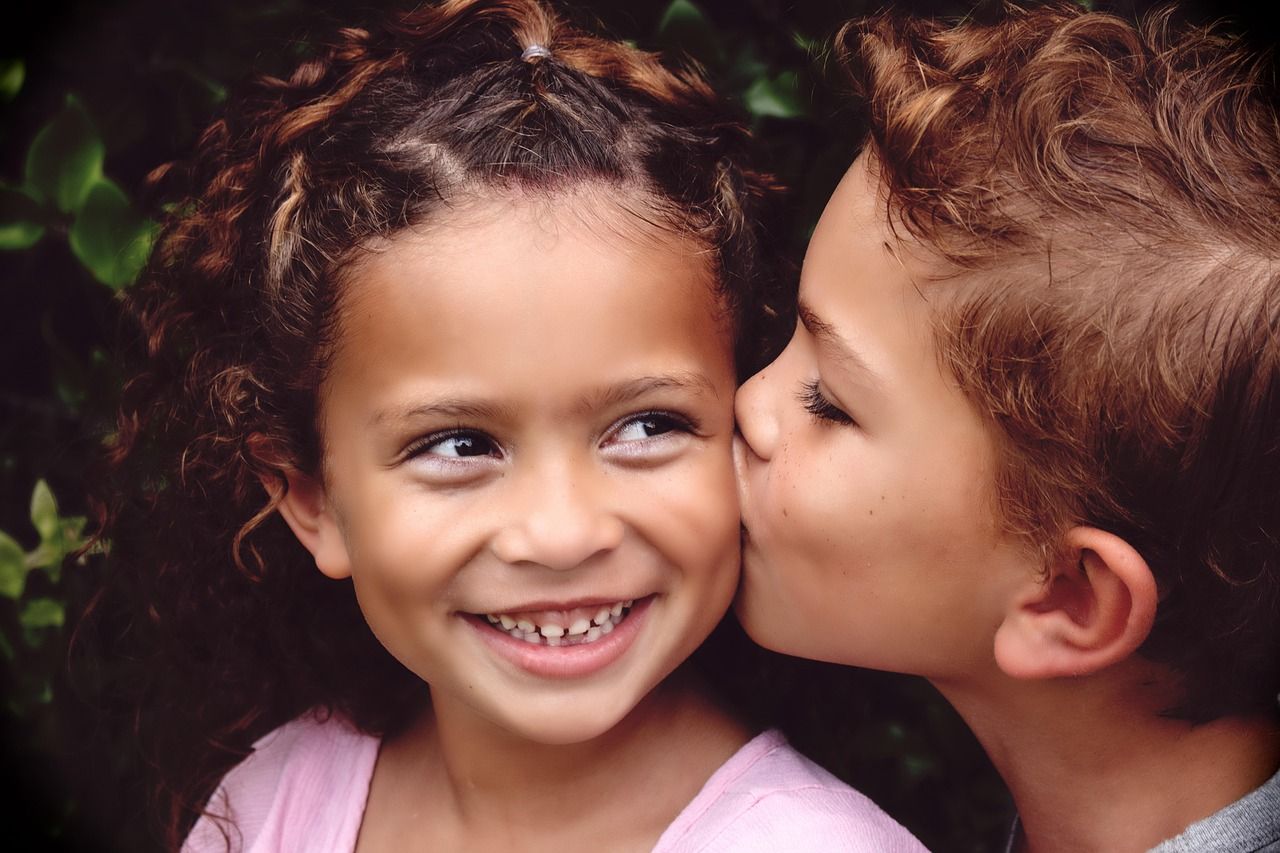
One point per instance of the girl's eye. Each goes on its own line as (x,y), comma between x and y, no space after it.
(647,426)
(457,444)
(812,398)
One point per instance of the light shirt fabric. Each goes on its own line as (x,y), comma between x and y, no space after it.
(305,785)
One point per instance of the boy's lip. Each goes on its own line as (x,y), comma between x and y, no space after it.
(565,661)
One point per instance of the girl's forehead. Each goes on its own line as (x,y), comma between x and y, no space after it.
(531,281)
(621,217)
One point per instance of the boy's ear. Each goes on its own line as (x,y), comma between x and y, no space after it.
(1094,609)
(306,509)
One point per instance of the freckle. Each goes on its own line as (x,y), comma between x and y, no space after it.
(882,497)
(871,512)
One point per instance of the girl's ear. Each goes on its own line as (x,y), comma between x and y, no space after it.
(1094,609)
(306,509)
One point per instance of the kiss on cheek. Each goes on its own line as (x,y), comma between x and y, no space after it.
(866,477)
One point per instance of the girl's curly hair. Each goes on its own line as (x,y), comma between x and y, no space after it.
(226,627)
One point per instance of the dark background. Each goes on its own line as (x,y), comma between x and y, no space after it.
(147,76)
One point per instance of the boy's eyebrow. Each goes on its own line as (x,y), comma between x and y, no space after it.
(828,336)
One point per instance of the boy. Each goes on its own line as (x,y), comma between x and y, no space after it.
(1026,439)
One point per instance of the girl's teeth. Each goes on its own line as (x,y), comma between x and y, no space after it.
(582,630)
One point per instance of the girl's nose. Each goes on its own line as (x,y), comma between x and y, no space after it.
(561,527)
(756,410)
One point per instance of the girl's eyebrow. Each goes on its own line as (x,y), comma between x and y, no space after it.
(827,335)
(623,392)
(609,396)
(450,409)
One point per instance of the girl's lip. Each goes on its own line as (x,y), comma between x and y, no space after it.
(552,606)
(565,662)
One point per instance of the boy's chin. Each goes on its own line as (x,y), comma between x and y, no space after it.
(761,622)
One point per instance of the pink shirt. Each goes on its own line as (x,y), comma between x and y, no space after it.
(304,789)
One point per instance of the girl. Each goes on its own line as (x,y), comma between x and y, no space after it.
(428,471)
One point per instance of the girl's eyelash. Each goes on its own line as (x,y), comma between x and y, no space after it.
(820,407)
(671,419)
(420,446)
(677,421)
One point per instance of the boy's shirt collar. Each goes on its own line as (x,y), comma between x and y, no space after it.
(1249,825)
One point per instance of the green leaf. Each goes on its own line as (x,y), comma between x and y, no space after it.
(682,14)
(20,219)
(19,235)
(811,46)
(746,65)
(51,554)
(42,613)
(216,91)
(109,237)
(683,26)
(47,556)
(12,74)
(778,97)
(44,511)
(13,567)
(65,159)
(73,530)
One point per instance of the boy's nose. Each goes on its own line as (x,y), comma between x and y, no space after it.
(561,528)
(757,415)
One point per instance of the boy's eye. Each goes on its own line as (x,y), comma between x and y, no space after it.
(457,444)
(812,398)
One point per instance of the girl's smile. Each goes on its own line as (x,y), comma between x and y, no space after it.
(528,476)
(538,642)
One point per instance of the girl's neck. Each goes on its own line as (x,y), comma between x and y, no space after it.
(1101,769)
(457,775)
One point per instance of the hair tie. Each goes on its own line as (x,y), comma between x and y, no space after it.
(535,51)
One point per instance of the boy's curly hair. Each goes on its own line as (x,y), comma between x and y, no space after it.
(228,628)
(1108,197)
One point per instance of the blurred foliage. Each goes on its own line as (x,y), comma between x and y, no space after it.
(93,95)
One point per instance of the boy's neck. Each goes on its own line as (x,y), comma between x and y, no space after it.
(1092,766)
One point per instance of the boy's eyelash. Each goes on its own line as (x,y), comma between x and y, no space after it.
(820,407)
